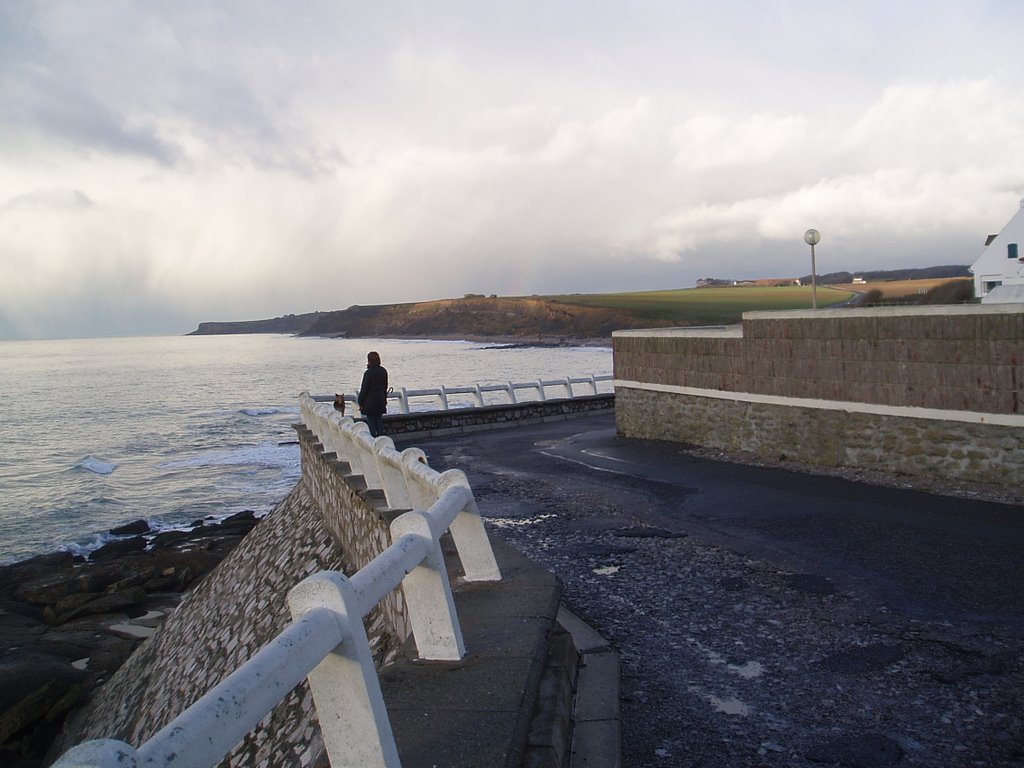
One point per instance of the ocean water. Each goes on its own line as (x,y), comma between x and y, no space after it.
(95,433)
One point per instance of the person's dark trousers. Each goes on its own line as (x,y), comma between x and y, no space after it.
(376,425)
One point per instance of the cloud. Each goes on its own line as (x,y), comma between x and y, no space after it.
(176,163)
(712,141)
(55,198)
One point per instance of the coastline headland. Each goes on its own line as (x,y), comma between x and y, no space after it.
(69,622)
(532,320)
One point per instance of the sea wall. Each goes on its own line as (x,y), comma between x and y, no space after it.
(326,523)
(467,420)
(916,390)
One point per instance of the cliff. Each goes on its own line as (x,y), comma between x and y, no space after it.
(472,317)
(476,316)
(284,324)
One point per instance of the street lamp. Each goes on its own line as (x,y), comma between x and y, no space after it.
(812,237)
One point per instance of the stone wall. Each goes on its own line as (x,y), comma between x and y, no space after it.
(360,520)
(914,390)
(466,420)
(240,607)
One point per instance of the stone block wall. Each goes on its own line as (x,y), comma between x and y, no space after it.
(236,610)
(359,520)
(915,390)
(325,523)
(465,420)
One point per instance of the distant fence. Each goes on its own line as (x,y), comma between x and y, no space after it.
(446,398)
(326,641)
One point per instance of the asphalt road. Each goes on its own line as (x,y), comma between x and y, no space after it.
(767,617)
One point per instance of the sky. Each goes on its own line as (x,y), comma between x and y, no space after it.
(168,162)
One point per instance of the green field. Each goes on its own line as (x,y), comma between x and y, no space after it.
(707,306)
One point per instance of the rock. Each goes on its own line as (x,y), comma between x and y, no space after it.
(131,529)
(246,518)
(108,603)
(117,548)
(66,605)
(37,566)
(57,609)
(18,631)
(167,538)
(48,589)
(36,688)
(133,576)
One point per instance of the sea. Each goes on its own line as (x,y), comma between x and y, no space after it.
(96,433)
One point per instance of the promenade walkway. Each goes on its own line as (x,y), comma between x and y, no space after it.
(767,617)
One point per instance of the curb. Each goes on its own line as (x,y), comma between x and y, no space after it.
(597,730)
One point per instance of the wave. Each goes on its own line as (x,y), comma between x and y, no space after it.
(267,411)
(96,465)
(266,454)
(89,543)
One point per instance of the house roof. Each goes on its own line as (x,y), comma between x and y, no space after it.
(996,261)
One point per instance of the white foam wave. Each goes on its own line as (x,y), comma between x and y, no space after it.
(98,466)
(266,454)
(268,411)
(87,545)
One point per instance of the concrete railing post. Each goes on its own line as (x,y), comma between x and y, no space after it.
(540,390)
(335,440)
(468,532)
(428,595)
(389,464)
(444,398)
(363,444)
(352,454)
(511,394)
(421,491)
(345,687)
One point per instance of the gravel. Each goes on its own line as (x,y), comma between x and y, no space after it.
(733,660)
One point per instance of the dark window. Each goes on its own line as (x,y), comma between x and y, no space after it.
(1011,251)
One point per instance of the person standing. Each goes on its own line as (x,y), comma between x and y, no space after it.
(373,394)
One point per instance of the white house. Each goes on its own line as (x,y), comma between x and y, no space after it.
(999,271)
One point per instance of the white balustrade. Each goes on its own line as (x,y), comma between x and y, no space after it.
(326,642)
(442,396)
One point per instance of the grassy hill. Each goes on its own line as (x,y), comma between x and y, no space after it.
(707,306)
(477,317)
(569,318)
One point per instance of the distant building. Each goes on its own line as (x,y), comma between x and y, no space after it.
(859,281)
(999,271)
(776,282)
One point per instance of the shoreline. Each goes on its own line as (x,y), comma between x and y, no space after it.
(68,622)
(512,342)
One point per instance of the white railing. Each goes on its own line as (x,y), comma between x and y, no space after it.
(477,392)
(326,641)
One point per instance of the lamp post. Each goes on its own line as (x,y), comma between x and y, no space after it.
(812,237)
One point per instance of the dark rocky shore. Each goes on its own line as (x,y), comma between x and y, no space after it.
(67,622)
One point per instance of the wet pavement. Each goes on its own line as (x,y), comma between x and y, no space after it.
(767,617)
